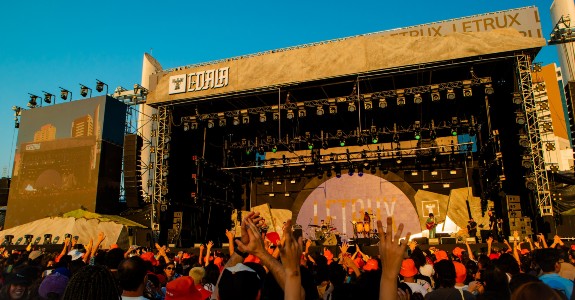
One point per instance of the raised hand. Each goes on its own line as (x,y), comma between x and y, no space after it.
(202,246)
(344,246)
(101,236)
(230,234)
(290,251)
(254,244)
(391,249)
(210,245)
(490,240)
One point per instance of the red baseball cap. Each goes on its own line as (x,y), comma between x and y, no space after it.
(182,288)
(440,255)
(149,256)
(460,272)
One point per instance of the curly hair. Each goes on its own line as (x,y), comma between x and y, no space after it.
(92,283)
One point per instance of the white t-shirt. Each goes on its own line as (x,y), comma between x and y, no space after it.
(416,288)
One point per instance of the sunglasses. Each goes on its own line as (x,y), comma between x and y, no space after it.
(170,268)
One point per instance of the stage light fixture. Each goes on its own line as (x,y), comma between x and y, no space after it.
(524,141)
(530,183)
(467,92)
(453,131)
(337,170)
(417,99)
(520,118)
(450,94)
(342,142)
(32,103)
(222,119)
(274,148)
(211,123)
(398,159)
(360,141)
(261,150)
(301,112)
(194,125)
(186,126)
(48,97)
(517,99)
(374,139)
(401,100)
(332,109)
(324,145)
(350,170)
(435,96)
(100,86)
(290,114)
(245,116)
(526,162)
(543,105)
(417,135)
(434,173)
(396,138)
(446,185)
(550,146)
(319,111)
(489,89)
(368,105)
(64,94)
(236,120)
(433,134)
(351,107)
(382,103)
(453,172)
(84,90)
(339,133)
(263,117)
(310,145)
(360,170)
(425,186)
(546,127)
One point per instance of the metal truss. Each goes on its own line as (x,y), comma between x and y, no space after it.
(315,158)
(333,101)
(160,154)
(535,127)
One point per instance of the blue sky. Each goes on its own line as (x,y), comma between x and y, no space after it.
(47,44)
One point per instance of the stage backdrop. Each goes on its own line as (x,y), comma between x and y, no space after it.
(68,156)
(343,200)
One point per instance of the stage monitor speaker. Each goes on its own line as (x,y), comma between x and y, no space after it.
(448,240)
(132,175)
(421,240)
(434,241)
(363,241)
(471,240)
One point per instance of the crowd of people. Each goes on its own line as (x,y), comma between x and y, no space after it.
(263,266)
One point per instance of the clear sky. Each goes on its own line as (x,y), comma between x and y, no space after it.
(48,44)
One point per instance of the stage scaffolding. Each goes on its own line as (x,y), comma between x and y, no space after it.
(534,126)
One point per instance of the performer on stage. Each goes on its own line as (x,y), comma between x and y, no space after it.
(430,224)
(472,228)
(366,223)
(493,224)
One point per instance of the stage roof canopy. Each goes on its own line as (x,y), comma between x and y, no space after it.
(499,33)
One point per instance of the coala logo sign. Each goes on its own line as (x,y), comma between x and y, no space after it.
(198,81)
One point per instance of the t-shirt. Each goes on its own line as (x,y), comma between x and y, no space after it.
(416,288)
(449,294)
(558,283)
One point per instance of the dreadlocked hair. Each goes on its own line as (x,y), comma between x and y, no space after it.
(92,283)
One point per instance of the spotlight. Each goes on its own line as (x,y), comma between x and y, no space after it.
(374,139)
(84,90)
(382,103)
(351,170)
(186,126)
(398,159)
(222,119)
(417,135)
(396,138)
(211,123)
(263,117)
(543,105)
(360,170)
(301,112)
(194,125)
(351,107)
(524,141)
(367,105)
(526,162)
(337,171)
(290,114)
(546,127)
(450,94)
(310,145)
(517,99)
(446,185)
(453,131)
(332,109)
(275,148)
(32,103)
(48,97)
(489,89)
(342,142)
(140,90)
(100,86)
(401,100)
(467,88)
(550,146)
(245,119)
(417,99)
(435,96)
(520,118)
(236,120)
(64,94)
(319,111)
(530,183)
(275,116)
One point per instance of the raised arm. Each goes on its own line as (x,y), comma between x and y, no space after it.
(290,252)
(230,236)
(489,242)
(469,252)
(391,251)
